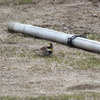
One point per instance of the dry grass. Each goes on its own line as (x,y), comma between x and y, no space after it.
(24,73)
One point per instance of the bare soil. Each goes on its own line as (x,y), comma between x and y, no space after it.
(23,73)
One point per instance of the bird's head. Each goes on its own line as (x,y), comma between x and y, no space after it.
(50,47)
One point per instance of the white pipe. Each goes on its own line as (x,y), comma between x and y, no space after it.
(54,36)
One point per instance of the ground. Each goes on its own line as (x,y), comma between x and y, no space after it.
(68,70)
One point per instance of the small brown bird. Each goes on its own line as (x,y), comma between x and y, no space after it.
(45,50)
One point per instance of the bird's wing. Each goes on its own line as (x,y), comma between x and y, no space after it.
(43,48)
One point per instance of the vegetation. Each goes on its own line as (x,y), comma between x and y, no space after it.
(80,96)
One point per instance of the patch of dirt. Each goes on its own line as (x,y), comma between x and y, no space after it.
(22,73)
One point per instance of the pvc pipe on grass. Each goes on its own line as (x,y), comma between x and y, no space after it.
(52,35)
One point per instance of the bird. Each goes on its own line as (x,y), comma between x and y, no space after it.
(45,50)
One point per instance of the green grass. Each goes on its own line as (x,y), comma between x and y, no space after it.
(94,36)
(77,60)
(88,62)
(18,1)
(14,40)
(80,96)
(8,98)
(25,1)
(5,0)
(86,12)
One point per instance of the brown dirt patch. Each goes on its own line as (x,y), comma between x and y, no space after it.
(22,73)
